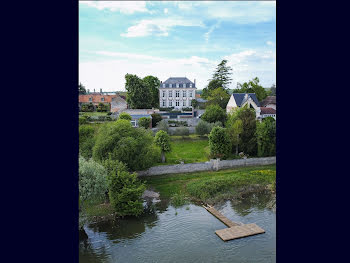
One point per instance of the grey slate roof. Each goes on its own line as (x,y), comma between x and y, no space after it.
(180,80)
(239,98)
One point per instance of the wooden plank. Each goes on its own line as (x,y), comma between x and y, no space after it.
(239,231)
(221,217)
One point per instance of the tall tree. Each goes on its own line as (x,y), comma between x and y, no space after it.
(82,89)
(152,84)
(213,85)
(252,86)
(139,95)
(219,96)
(273,90)
(223,74)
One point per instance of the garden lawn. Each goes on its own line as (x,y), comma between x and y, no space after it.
(190,149)
(211,187)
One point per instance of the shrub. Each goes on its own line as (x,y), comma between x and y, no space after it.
(102,107)
(124,189)
(124,116)
(266,137)
(182,131)
(155,119)
(92,181)
(162,140)
(163,126)
(86,140)
(187,109)
(124,143)
(82,120)
(144,122)
(214,113)
(109,113)
(219,143)
(203,128)
(87,107)
(166,109)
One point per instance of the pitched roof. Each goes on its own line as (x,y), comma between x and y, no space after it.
(172,80)
(268,100)
(239,98)
(265,110)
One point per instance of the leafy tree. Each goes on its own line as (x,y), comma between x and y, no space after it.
(124,189)
(272,91)
(152,84)
(234,132)
(214,113)
(144,122)
(163,126)
(252,86)
(92,181)
(86,140)
(220,97)
(266,137)
(155,119)
(102,107)
(82,90)
(162,140)
(219,143)
(124,116)
(248,142)
(203,128)
(120,141)
(222,74)
(138,94)
(194,103)
(213,85)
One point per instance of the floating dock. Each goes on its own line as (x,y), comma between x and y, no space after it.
(235,229)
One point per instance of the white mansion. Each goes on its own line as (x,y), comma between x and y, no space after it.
(177,93)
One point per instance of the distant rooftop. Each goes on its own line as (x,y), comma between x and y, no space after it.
(240,98)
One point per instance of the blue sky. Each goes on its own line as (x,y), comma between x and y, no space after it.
(175,39)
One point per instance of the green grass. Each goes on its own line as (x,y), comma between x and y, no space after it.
(190,149)
(213,186)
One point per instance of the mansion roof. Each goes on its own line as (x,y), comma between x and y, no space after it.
(178,80)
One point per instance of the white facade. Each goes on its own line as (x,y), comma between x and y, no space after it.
(177,94)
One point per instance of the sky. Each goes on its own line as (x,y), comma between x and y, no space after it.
(175,39)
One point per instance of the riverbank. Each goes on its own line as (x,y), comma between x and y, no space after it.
(202,187)
(214,186)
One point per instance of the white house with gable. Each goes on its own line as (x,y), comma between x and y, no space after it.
(177,93)
(242,99)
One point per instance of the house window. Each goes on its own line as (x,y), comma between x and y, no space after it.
(163,93)
(184,103)
(177,94)
(90,99)
(184,93)
(170,85)
(102,99)
(191,85)
(177,103)
(133,123)
(177,85)
(190,93)
(163,85)
(184,85)
(170,93)
(190,102)
(163,103)
(170,103)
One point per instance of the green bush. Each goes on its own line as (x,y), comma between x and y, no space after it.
(144,122)
(92,181)
(214,113)
(82,120)
(86,140)
(162,140)
(163,126)
(166,109)
(266,137)
(124,189)
(182,131)
(219,143)
(124,116)
(187,109)
(203,128)
(87,107)
(102,107)
(109,113)
(124,143)
(155,119)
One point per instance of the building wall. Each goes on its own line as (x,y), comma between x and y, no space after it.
(173,98)
(96,98)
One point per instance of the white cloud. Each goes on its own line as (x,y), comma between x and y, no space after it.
(109,73)
(126,7)
(211,29)
(158,27)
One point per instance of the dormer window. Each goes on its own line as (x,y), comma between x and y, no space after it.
(90,99)
(163,85)
(102,99)
(170,85)
(184,85)
(191,85)
(177,85)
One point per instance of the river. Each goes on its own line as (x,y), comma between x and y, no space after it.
(185,234)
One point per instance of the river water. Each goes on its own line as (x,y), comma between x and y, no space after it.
(185,234)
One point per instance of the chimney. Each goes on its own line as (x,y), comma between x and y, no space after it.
(195,82)
(94,90)
(88,91)
(100,90)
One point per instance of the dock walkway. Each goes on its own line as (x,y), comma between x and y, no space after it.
(235,229)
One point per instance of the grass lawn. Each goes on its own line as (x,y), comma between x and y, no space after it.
(190,149)
(211,187)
